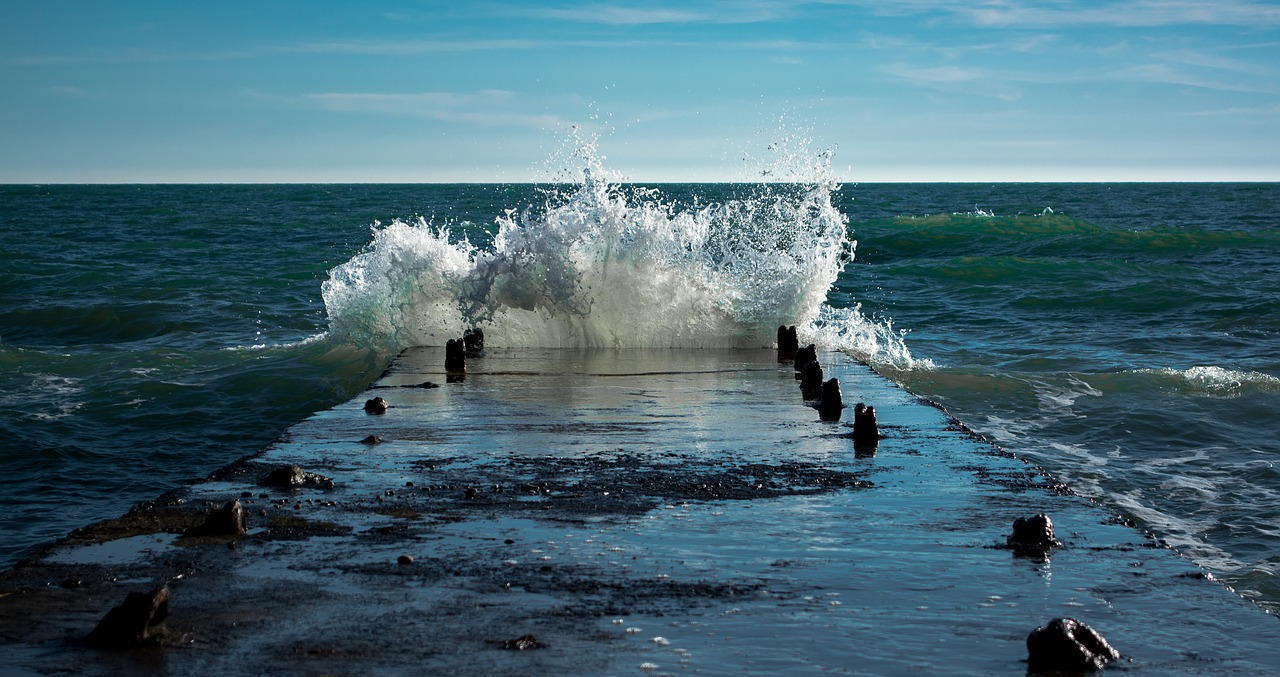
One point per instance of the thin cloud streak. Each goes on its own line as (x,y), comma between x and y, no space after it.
(487,108)
(955,79)
(128,56)
(1148,14)
(1256,110)
(406,48)
(618,15)
(1164,74)
(1141,14)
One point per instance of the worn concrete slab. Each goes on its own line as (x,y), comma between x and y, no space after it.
(637,512)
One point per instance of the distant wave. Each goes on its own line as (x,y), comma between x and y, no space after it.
(1214,381)
(286,345)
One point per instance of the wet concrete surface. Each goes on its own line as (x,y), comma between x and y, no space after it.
(635,512)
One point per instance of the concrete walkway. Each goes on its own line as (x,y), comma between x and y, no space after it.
(635,512)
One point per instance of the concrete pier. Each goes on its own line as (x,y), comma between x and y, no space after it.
(623,512)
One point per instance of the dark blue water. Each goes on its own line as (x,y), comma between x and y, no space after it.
(1125,337)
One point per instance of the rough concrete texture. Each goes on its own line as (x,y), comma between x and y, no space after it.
(622,512)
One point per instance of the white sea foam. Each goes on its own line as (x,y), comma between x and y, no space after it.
(603,266)
(310,340)
(1217,381)
(59,396)
(1180,533)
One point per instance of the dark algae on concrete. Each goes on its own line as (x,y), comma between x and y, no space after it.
(619,512)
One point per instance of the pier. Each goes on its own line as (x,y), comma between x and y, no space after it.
(621,512)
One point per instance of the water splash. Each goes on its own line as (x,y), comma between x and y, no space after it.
(603,265)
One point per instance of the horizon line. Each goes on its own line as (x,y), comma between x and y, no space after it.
(628,181)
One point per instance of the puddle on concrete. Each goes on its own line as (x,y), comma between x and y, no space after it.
(119,551)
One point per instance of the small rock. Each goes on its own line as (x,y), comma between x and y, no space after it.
(131,622)
(405,559)
(376,406)
(1032,535)
(372,439)
(229,520)
(1067,645)
(292,476)
(522,643)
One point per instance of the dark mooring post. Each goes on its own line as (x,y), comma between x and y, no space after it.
(832,404)
(455,359)
(804,356)
(788,343)
(811,381)
(866,432)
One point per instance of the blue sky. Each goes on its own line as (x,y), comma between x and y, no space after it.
(967,90)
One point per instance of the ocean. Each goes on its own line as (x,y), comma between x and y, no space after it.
(1124,337)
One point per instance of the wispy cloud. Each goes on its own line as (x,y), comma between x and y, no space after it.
(1213,61)
(612,14)
(1144,13)
(1167,74)
(635,15)
(954,79)
(938,75)
(412,47)
(128,56)
(487,108)
(1243,110)
(1068,13)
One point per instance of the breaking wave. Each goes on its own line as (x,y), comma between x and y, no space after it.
(605,265)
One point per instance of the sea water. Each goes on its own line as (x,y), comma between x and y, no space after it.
(1125,337)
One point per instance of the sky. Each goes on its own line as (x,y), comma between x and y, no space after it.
(496,91)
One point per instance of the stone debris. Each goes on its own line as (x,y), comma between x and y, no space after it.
(1067,645)
(132,622)
(293,476)
(1032,535)
(376,406)
(229,520)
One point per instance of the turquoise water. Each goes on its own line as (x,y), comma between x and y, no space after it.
(1125,337)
